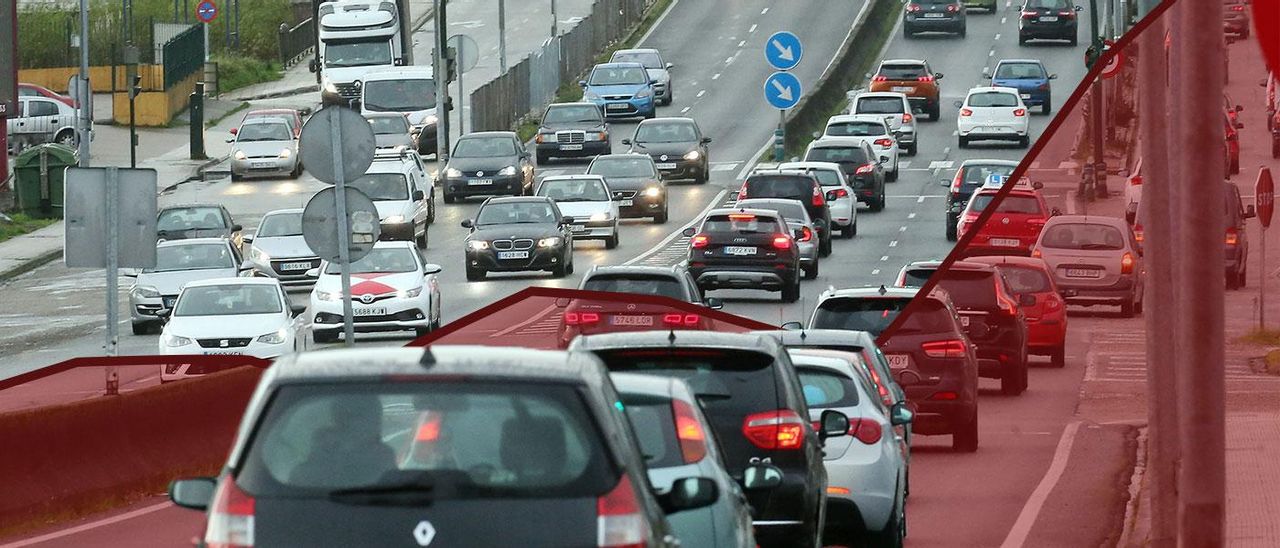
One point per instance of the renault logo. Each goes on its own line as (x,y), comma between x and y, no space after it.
(366,298)
(424,533)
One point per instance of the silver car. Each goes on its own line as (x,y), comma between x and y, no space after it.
(801,226)
(264,147)
(1094,260)
(897,111)
(840,198)
(178,262)
(678,442)
(659,71)
(277,249)
(588,200)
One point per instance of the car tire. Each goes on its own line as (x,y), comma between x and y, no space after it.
(911,149)
(791,292)
(475,274)
(1047,107)
(542,158)
(141,328)
(1075,40)
(431,209)
(1126,309)
(951,231)
(1014,380)
(878,205)
(962,142)
(935,111)
(421,331)
(421,241)
(649,115)
(1241,277)
(824,246)
(560,270)
(447,198)
(1024,142)
(235,176)
(811,271)
(1058,358)
(324,337)
(907,32)
(894,533)
(965,438)
(1235,165)
(892,175)
(660,217)
(963,30)
(612,241)
(1022,40)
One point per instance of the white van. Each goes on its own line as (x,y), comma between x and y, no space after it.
(407,90)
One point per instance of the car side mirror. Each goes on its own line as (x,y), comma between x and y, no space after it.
(193,493)
(958,104)
(689,494)
(312,273)
(1079,8)
(1250,212)
(419,195)
(1055,212)
(626,141)
(792,326)
(706,140)
(884,159)
(1026,300)
(834,424)
(235,130)
(246,266)
(714,303)
(1037,185)
(582,83)
(297,309)
(566,220)
(467,223)
(247,239)
(1053,76)
(130,272)
(431,268)
(164,314)
(231,140)
(236,228)
(670,66)
(689,232)
(761,476)
(900,415)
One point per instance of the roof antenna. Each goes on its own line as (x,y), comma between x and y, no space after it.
(428,359)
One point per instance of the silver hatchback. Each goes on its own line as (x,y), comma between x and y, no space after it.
(1094,260)
(798,222)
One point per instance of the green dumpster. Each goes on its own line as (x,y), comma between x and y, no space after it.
(38,178)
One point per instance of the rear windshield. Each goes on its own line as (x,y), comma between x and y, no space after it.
(916,277)
(1013,203)
(880,105)
(654,423)
(870,315)
(826,177)
(788,209)
(856,129)
(902,72)
(741,223)
(473,440)
(638,284)
(1020,71)
(1051,4)
(979,174)
(839,155)
(970,289)
(993,99)
(1026,280)
(931,317)
(779,186)
(1083,236)
(824,389)
(727,382)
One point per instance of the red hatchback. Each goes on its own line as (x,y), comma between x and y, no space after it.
(1014,227)
(1047,318)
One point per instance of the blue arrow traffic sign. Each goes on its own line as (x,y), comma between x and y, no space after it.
(206,11)
(783,50)
(782,90)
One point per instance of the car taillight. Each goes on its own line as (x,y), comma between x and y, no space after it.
(885,142)
(620,522)
(907,117)
(954,348)
(1007,305)
(865,168)
(781,429)
(230,517)
(742,192)
(693,441)
(867,431)
(1126,263)
(782,241)
(1043,87)
(700,241)
(1036,223)
(1067,13)
(806,234)
(1054,302)
(841,193)
(966,112)
(1028,14)
(1035,253)
(945,396)
(581,318)
(1138,233)
(913,8)
(1233,237)
(952,8)
(819,199)
(880,78)
(681,319)
(1020,112)
(925,79)
(538,138)
(1237,8)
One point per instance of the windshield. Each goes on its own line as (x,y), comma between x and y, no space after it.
(191,218)
(1083,236)
(473,440)
(839,155)
(824,388)
(357,54)
(574,190)
(902,72)
(570,114)
(389,125)
(993,99)
(193,257)
(1022,279)
(666,133)
(1020,71)
(784,186)
(1022,205)
(613,76)
(638,284)
(649,59)
(228,300)
(383,186)
(264,132)
(380,260)
(488,147)
(280,224)
(743,223)
(408,95)
(880,105)
(623,167)
(979,174)
(653,420)
(788,209)
(856,129)
(870,315)
(516,212)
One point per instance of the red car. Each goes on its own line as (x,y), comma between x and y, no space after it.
(32,90)
(1014,227)
(1047,318)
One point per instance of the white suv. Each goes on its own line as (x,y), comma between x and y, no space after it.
(896,109)
(397,183)
(993,113)
(872,128)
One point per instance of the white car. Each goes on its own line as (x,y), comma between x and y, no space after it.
(841,200)
(239,316)
(178,262)
(392,289)
(265,147)
(588,200)
(872,128)
(278,250)
(397,183)
(896,108)
(866,470)
(993,113)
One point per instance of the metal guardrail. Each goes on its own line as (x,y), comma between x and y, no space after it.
(183,56)
(297,42)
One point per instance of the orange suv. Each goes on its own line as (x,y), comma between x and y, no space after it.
(913,78)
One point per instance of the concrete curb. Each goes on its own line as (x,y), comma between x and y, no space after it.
(1136,517)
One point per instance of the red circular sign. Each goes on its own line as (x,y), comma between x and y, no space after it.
(1113,65)
(1264,196)
(206,11)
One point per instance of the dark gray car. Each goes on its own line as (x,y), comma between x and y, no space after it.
(179,222)
(571,130)
(487,163)
(677,147)
(636,184)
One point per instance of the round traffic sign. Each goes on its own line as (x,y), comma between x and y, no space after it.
(466,50)
(320,224)
(1113,66)
(355,150)
(206,11)
(782,90)
(1264,196)
(783,50)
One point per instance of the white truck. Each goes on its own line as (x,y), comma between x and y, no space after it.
(356,36)
(410,91)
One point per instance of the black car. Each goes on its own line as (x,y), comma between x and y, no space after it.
(677,147)
(971,176)
(933,16)
(745,249)
(991,313)
(793,184)
(861,167)
(754,401)
(571,130)
(180,222)
(414,447)
(1236,240)
(636,184)
(1050,20)
(487,163)
(518,233)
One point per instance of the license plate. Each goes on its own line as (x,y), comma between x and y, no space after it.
(1005,242)
(625,203)
(295,266)
(740,250)
(570,147)
(1048,18)
(262,165)
(666,166)
(1084,273)
(933,15)
(964,321)
(368,311)
(898,361)
(222,352)
(1026,95)
(617,106)
(902,89)
(480,182)
(577,228)
(632,320)
(513,254)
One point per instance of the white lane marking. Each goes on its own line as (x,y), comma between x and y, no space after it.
(677,233)
(723,166)
(1035,165)
(533,319)
(684,110)
(701,93)
(715,76)
(941,164)
(728,60)
(991,53)
(752,29)
(1004,20)
(955,133)
(997,36)
(921,200)
(742,43)
(1027,518)
(946,152)
(884,258)
(875,271)
(917,197)
(893,243)
(911,215)
(905,165)
(902,228)
(90,526)
(764,11)
(657,24)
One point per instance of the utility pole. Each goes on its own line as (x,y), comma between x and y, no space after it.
(554,20)
(442,86)
(133,129)
(86,117)
(502,35)
(1199,191)
(1097,129)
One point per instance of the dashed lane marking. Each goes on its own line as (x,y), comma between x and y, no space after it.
(911,215)
(920,200)
(724,166)
(875,272)
(905,165)
(715,76)
(884,258)
(941,164)
(893,243)
(701,93)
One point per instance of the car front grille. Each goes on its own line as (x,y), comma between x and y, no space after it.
(617,97)
(564,137)
(348,91)
(521,244)
(231,343)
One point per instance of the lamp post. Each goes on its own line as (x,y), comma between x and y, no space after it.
(133,127)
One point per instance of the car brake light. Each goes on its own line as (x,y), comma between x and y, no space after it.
(885,142)
(1007,305)
(1067,13)
(742,192)
(946,396)
(693,441)
(954,348)
(1233,237)
(781,429)
(1035,253)
(742,217)
(1126,263)
(1020,112)
(681,319)
(913,7)
(700,241)
(230,517)
(952,8)
(782,241)
(1237,8)
(1138,233)
(882,78)
(619,521)
(1053,302)
(1028,14)
(866,430)
(907,117)
(429,430)
(841,193)
(865,168)
(819,199)
(581,318)
(806,234)
(966,112)
(925,79)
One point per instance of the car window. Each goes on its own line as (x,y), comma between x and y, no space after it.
(516,212)
(839,155)
(880,105)
(226,300)
(1020,70)
(380,260)
(826,177)
(623,167)
(870,315)
(389,125)
(825,389)
(767,186)
(193,257)
(191,218)
(383,186)
(649,59)
(487,147)
(916,277)
(979,174)
(264,132)
(613,76)
(41,107)
(1049,4)
(902,72)
(638,284)
(1023,279)
(568,114)
(408,95)
(574,190)
(1013,203)
(932,316)
(472,440)
(728,382)
(654,423)
(970,289)
(666,133)
(856,129)
(744,223)
(788,209)
(984,99)
(1085,236)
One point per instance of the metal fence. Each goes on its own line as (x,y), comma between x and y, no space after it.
(530,84)
(183,55)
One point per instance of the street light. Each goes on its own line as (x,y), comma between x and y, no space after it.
(133,128)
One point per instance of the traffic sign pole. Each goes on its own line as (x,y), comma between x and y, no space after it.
(344,233)
(782,89)
(1264,196)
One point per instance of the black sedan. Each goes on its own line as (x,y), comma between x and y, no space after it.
(636,184)
(572,130)
(516,234)
(487,163)
(676,146)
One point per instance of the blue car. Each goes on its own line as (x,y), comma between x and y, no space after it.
(621,90)
(1030,78)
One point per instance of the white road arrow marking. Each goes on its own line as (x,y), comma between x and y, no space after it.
(784,52)
(784,92)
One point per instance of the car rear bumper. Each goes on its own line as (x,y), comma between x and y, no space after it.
(1123,290)
(1062,30)
(993,132)
(713,277)
(872,492)
(1046,334)
(940,417)
(947,22)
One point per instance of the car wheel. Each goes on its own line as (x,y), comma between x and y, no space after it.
(612,242)
(894,533)
(560,270)
(911,149)
(66,137)
(1022,40)
(235,176)
(852,231)
(660,217)
(421,240)
(324,337)
(965,438)
(1235,165)
(1047,107)
(811,271)
(1059,356)
(892,175)
(421,331)
(448,199)
(1013,382)
(935,112)
(824,246)
(951,230)
(431,209)
(1024,142)
(963,29)
(1241,280)
(878,205)
(962,141)
(1074,40)
(907,32)
(475,274)
(649,115)
(1126,309)
(791,293)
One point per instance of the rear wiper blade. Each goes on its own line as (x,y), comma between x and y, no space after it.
(415,491)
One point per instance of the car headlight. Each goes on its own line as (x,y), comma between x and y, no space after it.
(643,93)
(328,296)
(394,219)
(597,136)
(509,170)
(692,155)
(600,216)
(259,255)
(146,292)
(478,245)
(286,153)
(452,173)
(591,96)
(330,87)
(274,338)
(653,192)
(172,341)
(549,242)
(240,155)
(410,293)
